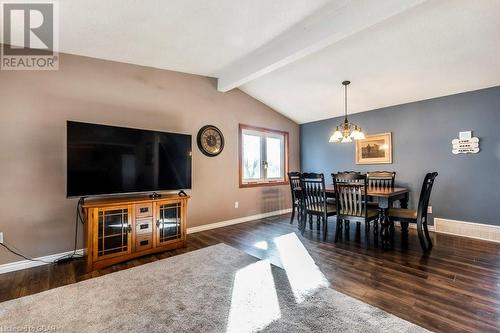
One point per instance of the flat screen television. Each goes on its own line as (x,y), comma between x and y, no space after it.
(116,160)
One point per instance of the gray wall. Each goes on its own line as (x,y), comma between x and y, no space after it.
(468,186)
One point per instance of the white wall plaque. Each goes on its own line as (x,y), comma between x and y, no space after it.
(466,144)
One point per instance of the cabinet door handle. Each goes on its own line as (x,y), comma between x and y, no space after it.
(157,223)
(129,228)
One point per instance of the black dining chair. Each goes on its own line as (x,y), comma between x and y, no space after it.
(381,180)
(314,200)
(294,180)
(418,216)
(352,201)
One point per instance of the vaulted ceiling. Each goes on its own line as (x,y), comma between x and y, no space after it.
(294,54)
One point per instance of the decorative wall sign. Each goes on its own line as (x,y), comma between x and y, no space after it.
(465,144)
(374,149)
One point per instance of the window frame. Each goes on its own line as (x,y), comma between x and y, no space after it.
(266,182)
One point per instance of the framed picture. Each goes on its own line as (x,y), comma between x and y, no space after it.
(375,149)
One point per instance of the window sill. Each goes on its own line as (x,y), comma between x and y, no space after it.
(263,184)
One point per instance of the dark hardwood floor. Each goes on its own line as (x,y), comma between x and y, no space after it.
(454,289)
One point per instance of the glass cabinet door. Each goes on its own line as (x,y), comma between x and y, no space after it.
(168,223)
(113,232)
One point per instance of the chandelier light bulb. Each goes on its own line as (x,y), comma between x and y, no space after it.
(361,135)
(346,139)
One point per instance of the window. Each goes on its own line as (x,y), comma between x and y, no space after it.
(263,156)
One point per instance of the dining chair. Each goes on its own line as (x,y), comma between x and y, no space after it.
(381,180)
(352,201)
(314,200)
(418,216)
(294,180)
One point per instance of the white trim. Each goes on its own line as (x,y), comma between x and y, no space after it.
(414,226)
(480,231)
(23,264)
(221,224)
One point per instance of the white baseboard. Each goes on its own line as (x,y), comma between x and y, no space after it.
(468,229)
(414,226)
(23,264)
(221,224)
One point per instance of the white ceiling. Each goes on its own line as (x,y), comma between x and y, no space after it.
(417,50)
(439,48)
(190,36)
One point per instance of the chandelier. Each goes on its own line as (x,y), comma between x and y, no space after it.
(346,131)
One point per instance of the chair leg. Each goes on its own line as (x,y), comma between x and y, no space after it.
(293,214)
(404,228)
(421,236)
(404,233)
(303,223)
(392,231)
(300,219)
(325,227)
(310,221)
(426,232)
(318,222)
(338,230)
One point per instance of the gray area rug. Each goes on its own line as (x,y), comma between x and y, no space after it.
(215,289)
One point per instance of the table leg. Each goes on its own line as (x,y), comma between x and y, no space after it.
(384,232)
(404,202)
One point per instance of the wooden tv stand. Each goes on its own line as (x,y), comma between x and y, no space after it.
(120,229)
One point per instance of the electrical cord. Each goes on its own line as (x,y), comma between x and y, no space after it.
(65,258)
(22,255)
(79,218)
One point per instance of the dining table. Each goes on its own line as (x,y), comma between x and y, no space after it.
(385,197)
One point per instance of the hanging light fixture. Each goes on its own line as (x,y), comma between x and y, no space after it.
(346,132)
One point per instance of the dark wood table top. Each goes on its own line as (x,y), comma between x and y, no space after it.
(378,193)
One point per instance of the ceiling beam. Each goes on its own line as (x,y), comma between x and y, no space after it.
(325,27)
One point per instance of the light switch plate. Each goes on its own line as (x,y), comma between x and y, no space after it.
(429,210)
(1,237)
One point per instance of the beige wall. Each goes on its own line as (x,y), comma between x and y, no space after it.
(37,218)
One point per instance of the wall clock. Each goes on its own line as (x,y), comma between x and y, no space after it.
(210,140)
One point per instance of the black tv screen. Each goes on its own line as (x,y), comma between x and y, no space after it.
(110,160)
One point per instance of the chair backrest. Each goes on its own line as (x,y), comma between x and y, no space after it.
(313,191)
(294,180)
(351,195)
(354,172)
(344,176)
(381,180)
(425,195)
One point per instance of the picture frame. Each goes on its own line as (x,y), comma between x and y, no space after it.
(374,149)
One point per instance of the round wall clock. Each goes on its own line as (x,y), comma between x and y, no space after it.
(210,140)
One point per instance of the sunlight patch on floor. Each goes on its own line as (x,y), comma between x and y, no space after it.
(261,245)
(303,274)
(254,303)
